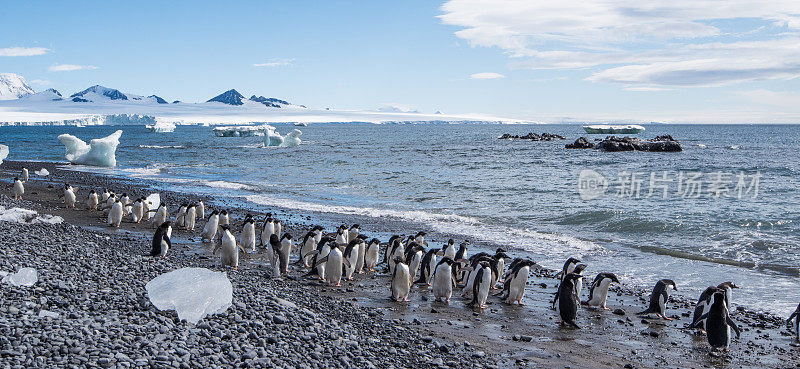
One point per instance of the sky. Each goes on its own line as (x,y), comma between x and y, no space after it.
(569,60)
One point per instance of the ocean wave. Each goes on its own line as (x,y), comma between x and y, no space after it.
(473,229)
(227,185)
(162,147)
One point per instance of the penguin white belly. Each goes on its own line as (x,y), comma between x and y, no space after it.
(431,267)
(401,282)
(371,257)
(164,248)
(450,252)
(600,293)
(91,201)
(362,249)
(341,239)
(414,267)
(442,282)
(321,267)
(201,210)
(467,291)
(229,255)
(210,229)
(286,250)
(662,304)
(307,247)
(578,287)
(266,233)
(19,189)
(278,229)
(69,198)
(516,289)
(350,270)
(483,287)
(180,219)
(146,214)
(333,269)
(225,220)
(249,236)
(161,217)
(25,175)
(115,215)
(501,265)
(138,212)
(190,219)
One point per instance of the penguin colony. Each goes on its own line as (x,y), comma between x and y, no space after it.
(408,260)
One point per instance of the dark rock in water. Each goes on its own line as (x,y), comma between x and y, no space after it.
(580,143)
(532,136)
(659,144)
(230,97)
(158,99)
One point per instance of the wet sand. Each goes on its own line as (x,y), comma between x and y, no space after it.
(508,336)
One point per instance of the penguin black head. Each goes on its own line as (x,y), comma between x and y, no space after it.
(501,255)
(730,285)
(215,212)
(420,234)
(355,226)
(527,263)
(447,261)
(340,230)
(225,227)
(287,236)
(451,242)
(669,282)
(224,212)
(398,260)
(362,237)
(613,277)
(579,268)
(374,241)
(273,239)
(185,204)
(165,224)
(248,216)
(16,179)
(92,191)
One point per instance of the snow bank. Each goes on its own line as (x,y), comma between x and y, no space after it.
(192,292)
(24,277)
(292,138)
(3,153)
(99,152)
(20,215)
(42,172)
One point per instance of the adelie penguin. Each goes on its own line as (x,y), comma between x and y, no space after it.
(69,196)
(322,250)
(796,317)
(210,228)
(427,266)
(351,253)
(190,217)
(568,300)
(414,253)
(578,283)
(249,233)
(704,303)
(449,249)
(230,250)
(162,214)
(125,200)
(481,285)
(333,265)
(161,241)
(443,280)
(515,281)
(309,244)
(395,251)
(286,250)
(275,256)
(92,201)
(201,209)
(267,229)
(658,299)
(115,214)
(224,218)
(17,189)
(352,233)
(137,210)
(401,280)
(598,290)
(371,254)
(718,322)
(341,235)
(25,175)
(180,217)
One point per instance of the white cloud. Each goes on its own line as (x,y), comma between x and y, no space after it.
(486,75)
(41,82)
(23,51)
(675,43)
(70,67)
(775,98)
(275,63)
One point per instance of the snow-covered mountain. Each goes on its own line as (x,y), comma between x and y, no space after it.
(13,86)
(233,97)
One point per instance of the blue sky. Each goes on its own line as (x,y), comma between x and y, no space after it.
(578,60)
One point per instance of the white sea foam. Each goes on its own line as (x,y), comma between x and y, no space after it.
(471,228)
(162,147)
(227,185)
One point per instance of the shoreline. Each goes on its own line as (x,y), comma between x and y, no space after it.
(505,336)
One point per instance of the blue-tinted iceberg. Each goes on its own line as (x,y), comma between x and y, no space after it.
(3,153)
(273,138)
(292,138)
(161,126)
(100,152)
(192,292)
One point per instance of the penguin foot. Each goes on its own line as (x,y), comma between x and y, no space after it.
(521,303)
(605,308)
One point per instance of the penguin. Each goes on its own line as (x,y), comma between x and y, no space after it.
(396,250)
(569,267)
(323,248)
(568,300)
(498,266)
(718,322)
(210,228)
(200,209)
(286,250)
(161,241)
(414,253)
(162,214)
(146,213)
(180,217)
(230,250)
(267,230)
(579,282)
(702,307)
(112,198)
(598,290)
(278,226)
(125,200)
(18,189)
(137,210)
(351,253)
(658,299)
(427,266)
(362,253)
(249,233)
(341,235)
(481,285)
(443,280)
(309,244)
(106,195)
(275,256)
(460,255)
(420,238)
(92,201)
(796,316)
(371,254)
(224,218)
(25,175)
(401,280)
(352,233)
(115,214)
(474,263)
(190,217)
(387,250)
(449,249)
(728,287)
(69,196)
(333,265)
(514,283)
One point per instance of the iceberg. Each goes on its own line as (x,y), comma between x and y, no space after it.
(153,201)
(99,152)
(20,215)
(24,277)
(292,138)
(239,131)
(272,138)
(3,153)
(42,172)
(192,292)
(161,126)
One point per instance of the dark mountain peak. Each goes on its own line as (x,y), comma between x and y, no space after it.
(110,93)
(269,101)
(158,99)
(230,97)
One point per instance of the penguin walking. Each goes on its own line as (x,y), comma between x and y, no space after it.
(704,303)
(92,201)
(115,214)
(568,300)
(427,267)
(248,237)
(796,317)
(401,281)
(210,228)
(106,195)
(25,174)
(481,286)
(449,249)
(658,299)
(275,256)
(371,252)
(69,196)
(387,249)
(201,209)
(474,263)
(571,266)
(161,241)
(162,214)
(190,217)
(718,322)
(146,213)
(230,250)
(443,280)
(396,250)
(515,281)
(341,235)
(278,226)
(353,232)
(414,253)
(309,244)
(224,218)
(728,287)
(460,255)
(598,290)
(267,230)
(323,248)
(180,217)
(333,265)
(17,189)
(137,210)
(125,200)
(498,266)
(286,250)
(351,253)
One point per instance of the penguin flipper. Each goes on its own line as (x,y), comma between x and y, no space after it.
(789,321)
(320,261)
(735,327)
(346,262)
(698,323)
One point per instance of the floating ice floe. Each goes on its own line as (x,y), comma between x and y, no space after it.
(42,172)
(3,153)
(20,215)
(273,138)
(24,277)
(99,152)
(292,138)
(192,292)
(240,131)
(161,126)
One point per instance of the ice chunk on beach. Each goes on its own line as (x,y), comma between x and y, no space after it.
(20,215)
(48,314)
(99,152)
(292,138)
(161,126)
(154,201)
(24,277)
(42,172)
(192,292)
(3,153)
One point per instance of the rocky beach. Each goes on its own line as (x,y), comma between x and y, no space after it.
(90,308)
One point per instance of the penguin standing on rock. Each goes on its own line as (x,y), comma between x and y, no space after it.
(201,210)
(574,269)
(161,241)
(515,281)
(702,307)
(249,233)
(443,280)
(598,290)
(481,286)
(427,266)
(371,254)
(25,175)
(210,228)
(275,255)
(309,244)
(568,300)
(333,265)
(286,250)
(267,230)
(351,253)
(190,217)
(323,248)
(449,249)
(92,201)
(796,317)
(162,214)
(719,323)
(125,200)
(69,196)
(230,250)
(180,218)
(137,210)
(115,214)
(17,189)
(224,218)
(401,281)
(658,299)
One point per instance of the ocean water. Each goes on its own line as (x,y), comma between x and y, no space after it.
(726,208)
